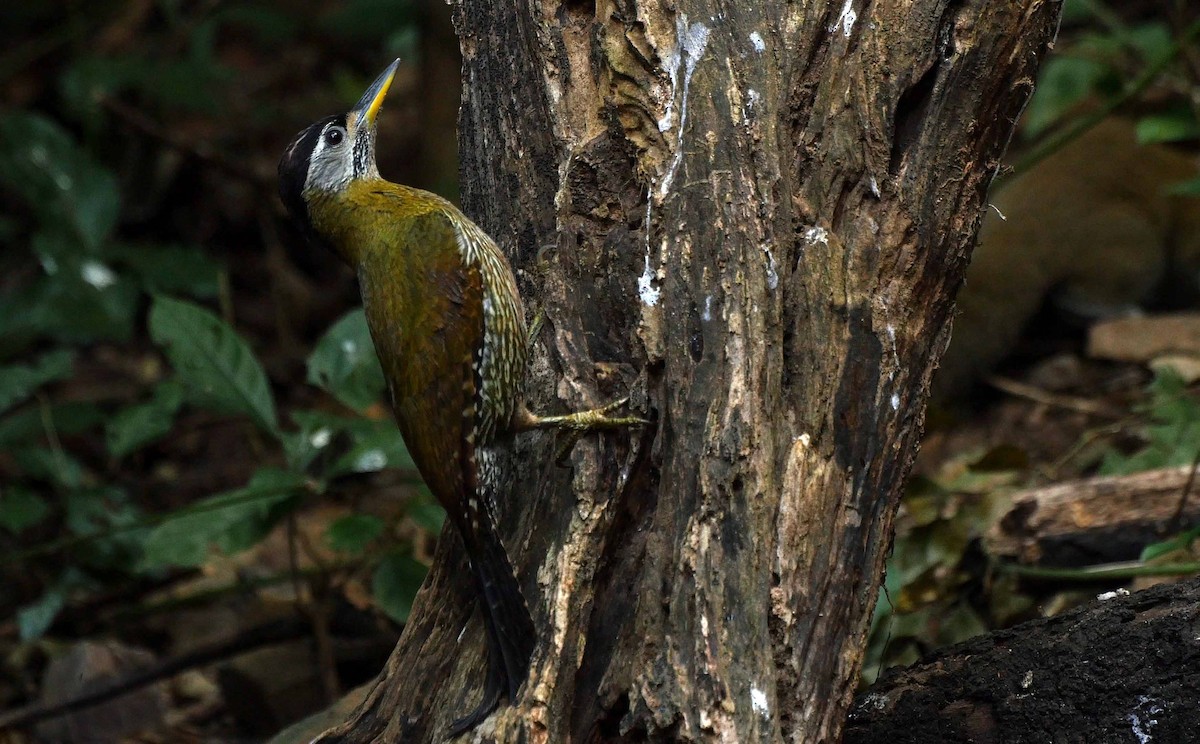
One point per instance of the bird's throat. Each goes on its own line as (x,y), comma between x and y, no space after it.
(334,218)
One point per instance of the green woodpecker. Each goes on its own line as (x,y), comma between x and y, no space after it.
(450,332)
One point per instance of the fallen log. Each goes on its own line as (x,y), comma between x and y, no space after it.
(1125,669)
(1097,520)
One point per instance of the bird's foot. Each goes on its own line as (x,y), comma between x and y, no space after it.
(595,419)
(579,423)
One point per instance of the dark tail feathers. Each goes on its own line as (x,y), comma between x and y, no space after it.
(511,635)
(506,613)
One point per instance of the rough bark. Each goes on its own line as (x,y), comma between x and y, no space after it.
(1126,669)
(752,218)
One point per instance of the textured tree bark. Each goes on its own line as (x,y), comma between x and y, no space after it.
(752,218)
(1126,669)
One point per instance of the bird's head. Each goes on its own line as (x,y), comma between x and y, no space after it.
(331,153)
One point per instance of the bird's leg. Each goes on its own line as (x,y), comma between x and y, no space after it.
(577,424)
(594,419)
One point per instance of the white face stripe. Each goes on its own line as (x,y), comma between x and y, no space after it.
(332,167)
(329,167)
(320,148)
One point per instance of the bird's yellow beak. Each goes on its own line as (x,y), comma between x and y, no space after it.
(368,106)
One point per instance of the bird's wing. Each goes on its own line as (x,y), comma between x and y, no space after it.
(429,330)
(434,373)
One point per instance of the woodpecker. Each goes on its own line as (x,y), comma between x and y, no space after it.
(448,325)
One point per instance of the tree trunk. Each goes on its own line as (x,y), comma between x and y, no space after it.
(752,218)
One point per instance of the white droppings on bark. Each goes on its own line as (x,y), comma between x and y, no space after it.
(817,235)
(753,98)
(649,293)
(759,702)
(706,315)
(756,39)
(846,19)
(772,275)
(894,367)
(692,41)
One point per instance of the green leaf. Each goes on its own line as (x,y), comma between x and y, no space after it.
(1170,545)
(317,432)
(169,269)
(341,445)
(1190,187)
(1171,126)
(230,521)
(1153,41)
(353,532)
(34,619)
(19,381)
(95,511)
(426,512)
(1063,83)
(1076,11)
(1173,434)
(57,178)
(88,80)
(377,446)
(135,427)
(21,508)
(214,363)
(64,418)
(49,465)
(395,583)
(108,516)
(171,82)
(344,363)
(80,298)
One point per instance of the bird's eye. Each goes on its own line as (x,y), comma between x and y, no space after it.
(334,135)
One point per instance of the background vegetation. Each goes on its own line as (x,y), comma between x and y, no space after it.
(179,376)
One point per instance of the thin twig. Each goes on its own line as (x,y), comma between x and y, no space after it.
(254,638)
(1103,572)
(1058,400)
(1177,517)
